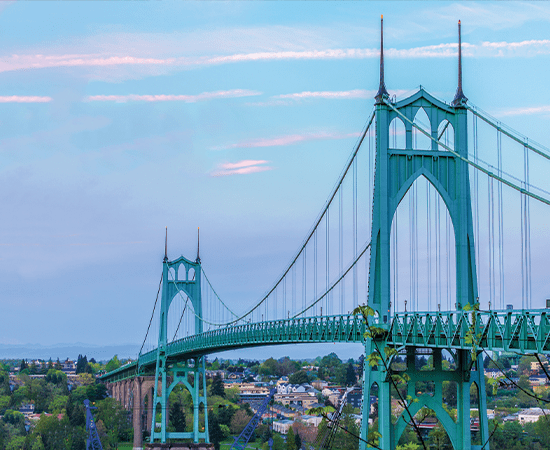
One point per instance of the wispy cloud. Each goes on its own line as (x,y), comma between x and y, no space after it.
(24,99)
(241,168)
(290,139)
(352,94)
(525,48)
(233,93)
(525,111)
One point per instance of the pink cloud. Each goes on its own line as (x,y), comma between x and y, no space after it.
(16,62)
(354,93)
(241,168)
(444,50)
(234,93)
(24,99)
(286,140)
(526,111)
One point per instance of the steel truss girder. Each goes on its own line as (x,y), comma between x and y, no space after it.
(524,331)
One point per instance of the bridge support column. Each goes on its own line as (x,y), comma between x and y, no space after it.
(465,374)
(137,414)
(176,374)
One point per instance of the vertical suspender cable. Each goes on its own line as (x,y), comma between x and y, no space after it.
(448,256)
(500,221)
(341,248)
(416,247)
(523,249)
(354,205)
(327,263)
(491,241)
(438,250)
(315,269)
(528,235)
(304,279)
(396,263)
(428,243)
(411,251)
(284,300)
(294,310)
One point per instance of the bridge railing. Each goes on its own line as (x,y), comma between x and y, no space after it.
(338,328)
(525,331)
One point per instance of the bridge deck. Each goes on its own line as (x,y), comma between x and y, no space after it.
(523,331)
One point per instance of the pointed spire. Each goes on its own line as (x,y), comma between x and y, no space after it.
(166,246)
(382,93)
(460,99)
(198,245)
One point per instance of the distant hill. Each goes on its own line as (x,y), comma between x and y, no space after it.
(71,351)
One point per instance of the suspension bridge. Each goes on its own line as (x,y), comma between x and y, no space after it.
(417,227)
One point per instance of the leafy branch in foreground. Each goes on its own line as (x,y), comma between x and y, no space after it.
(376,357)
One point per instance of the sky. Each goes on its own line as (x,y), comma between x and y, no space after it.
(118,119)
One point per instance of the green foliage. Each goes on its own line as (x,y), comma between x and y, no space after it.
(239,421)
(56,376)
(278,443)
(217,387)
(299,377)
(14,417)
(290,441)
(214,428)
(116,421)
(177,417)
(113,364)
(17,443)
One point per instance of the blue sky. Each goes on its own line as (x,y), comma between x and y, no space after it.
(120,118)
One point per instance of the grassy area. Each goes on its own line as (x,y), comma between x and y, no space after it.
(125,446)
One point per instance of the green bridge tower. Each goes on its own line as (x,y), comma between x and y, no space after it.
(186,280)
(396,170)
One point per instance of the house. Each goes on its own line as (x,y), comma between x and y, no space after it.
(302,399)
(27,409)
(311,420)
(282,426)
(355,397)
(531,414)
(535,366)
(538,380)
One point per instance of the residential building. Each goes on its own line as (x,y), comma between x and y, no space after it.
(531,414)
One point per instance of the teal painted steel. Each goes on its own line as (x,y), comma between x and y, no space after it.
(524,331)
(167,374)
(395,172)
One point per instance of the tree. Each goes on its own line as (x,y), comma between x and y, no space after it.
(524,366)
(439,438)
(177,417)
(299,377)
(82,365)
(239,421)
(216,434)
(113,364)
(17,443)
(115,419)
(298,440)
(350,375)
(218,387)
(15,418)
(290,441)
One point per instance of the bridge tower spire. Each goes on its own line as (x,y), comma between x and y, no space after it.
(382,92)
(460,99)
(396,171)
